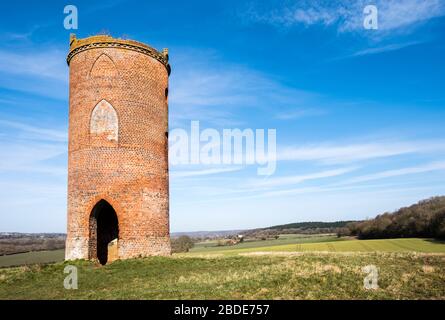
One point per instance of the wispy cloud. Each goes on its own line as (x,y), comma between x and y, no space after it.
(289,180)
(34,132)
(28,148)
(356,182)
(204,87)
(429,167)
(299,113)
(203,172)
(48,64)
(26,157)
(385,48)
(395,14)
(345,153)
(347,16)
(40,72)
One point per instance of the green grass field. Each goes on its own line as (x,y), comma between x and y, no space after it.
(292,276)
(32,258)
(332,244)
(211,245)
(292,267)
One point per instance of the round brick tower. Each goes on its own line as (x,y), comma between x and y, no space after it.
(118,199)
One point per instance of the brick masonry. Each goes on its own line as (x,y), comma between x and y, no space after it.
(118,145)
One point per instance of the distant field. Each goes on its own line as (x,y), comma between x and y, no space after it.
(212,245)
(286,243)
(32,258)
(331,244)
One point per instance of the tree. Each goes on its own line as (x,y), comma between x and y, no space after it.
(438,224)
(182,244)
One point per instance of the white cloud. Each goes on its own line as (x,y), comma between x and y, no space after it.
(348,16)
(204,172)
(386,48)
(202,87)
(345,153)
(396,14)
(299,113)
(27,148)
(355,183)
(429,167)
(27,157)
(40,72)
(32,175)
(34,132)
(50,64)
(289,180)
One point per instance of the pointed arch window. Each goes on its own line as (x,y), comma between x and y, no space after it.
(104,124)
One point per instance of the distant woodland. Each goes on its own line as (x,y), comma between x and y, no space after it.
(426,219)
(19,242)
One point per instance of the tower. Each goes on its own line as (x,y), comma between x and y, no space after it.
(118,199)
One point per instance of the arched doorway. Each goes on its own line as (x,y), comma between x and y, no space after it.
(104,228)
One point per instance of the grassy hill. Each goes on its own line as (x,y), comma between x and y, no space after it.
(292,266)
(310,267)
(247,276)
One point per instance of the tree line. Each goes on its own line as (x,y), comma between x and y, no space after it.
(426,219)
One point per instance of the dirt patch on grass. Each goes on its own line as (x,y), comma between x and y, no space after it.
(428,269)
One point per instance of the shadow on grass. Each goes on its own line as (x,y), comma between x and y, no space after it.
(436,241)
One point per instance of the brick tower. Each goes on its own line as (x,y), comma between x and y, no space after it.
(118,199)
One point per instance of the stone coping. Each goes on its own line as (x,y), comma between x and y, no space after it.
(104,41)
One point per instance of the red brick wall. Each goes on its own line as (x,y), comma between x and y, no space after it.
(131,173)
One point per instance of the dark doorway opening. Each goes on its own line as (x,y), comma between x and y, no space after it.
(104,228)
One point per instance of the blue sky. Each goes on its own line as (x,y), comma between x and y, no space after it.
(359,113)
